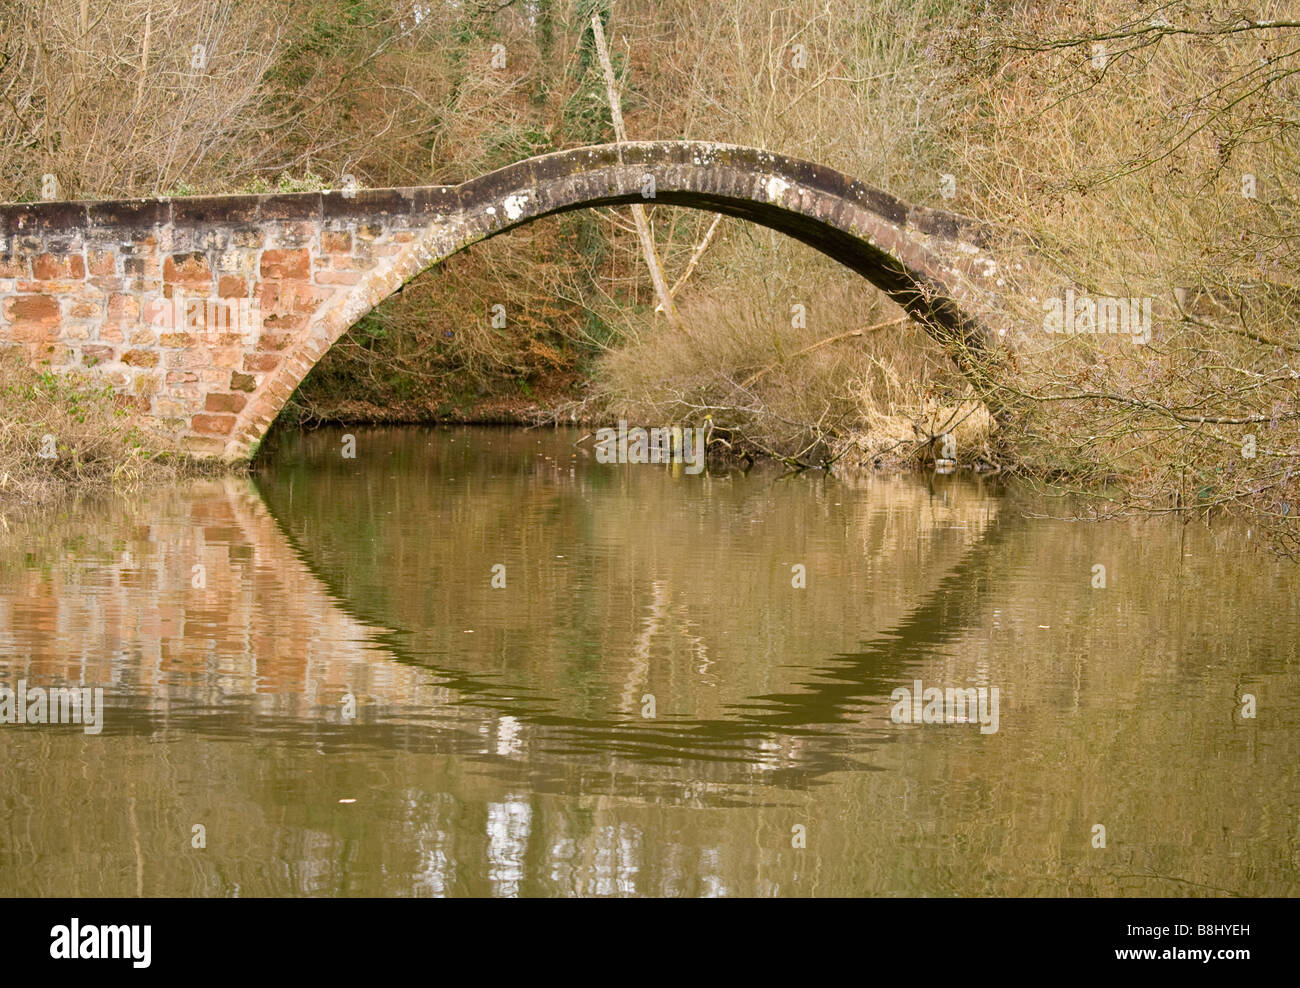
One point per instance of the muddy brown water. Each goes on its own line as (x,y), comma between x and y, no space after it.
(312,685)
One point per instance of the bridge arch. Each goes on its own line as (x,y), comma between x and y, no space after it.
(316,263)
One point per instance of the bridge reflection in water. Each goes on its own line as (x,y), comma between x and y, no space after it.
(499,745)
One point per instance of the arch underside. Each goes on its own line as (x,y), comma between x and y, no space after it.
(915,291)
(905,251)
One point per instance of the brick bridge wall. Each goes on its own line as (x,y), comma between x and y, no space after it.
(205,313)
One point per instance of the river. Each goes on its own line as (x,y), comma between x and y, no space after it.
(473,661)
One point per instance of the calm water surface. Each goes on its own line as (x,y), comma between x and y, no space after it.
(500,744)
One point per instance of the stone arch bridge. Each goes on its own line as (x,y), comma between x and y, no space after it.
(206,312)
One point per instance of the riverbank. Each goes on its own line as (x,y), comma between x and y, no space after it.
(65,434)
(933,436)
(62,434)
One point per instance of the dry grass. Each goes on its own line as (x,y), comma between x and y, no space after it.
(844,375)
(63,434)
